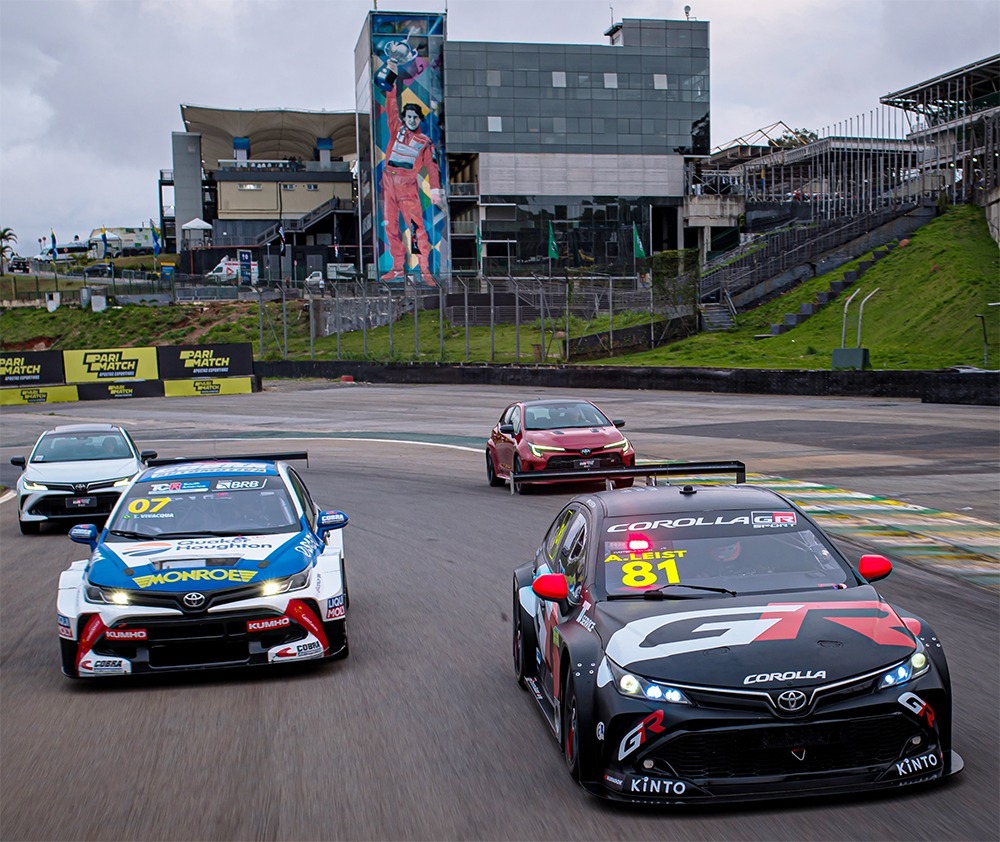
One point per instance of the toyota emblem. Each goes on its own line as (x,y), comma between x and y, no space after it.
(196,600)
(792,700)
(80,487)
(585,451)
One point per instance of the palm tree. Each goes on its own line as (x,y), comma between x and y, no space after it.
(7,237)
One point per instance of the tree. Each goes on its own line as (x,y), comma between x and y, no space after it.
(794,137)
(7,239)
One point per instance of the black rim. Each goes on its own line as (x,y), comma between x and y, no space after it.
(571,730)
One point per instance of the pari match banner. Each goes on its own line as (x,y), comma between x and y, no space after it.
(31,368)
(208,386)
(408,155)
(106,364)
(185,362)
(37,394)
(120,390)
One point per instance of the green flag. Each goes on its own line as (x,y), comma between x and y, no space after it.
(637,248)
(553,250)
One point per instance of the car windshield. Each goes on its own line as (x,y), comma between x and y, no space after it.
(81,447)
(211,505)
(745,552)
(564,415)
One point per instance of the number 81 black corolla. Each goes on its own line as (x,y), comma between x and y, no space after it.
(710,643)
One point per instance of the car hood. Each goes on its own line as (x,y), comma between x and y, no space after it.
(575,438)
(94,470)
(205,564)
(755,642)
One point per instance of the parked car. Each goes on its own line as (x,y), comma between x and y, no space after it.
(19,264)
(315,281)
(75,472)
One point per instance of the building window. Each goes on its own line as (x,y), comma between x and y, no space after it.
(287,186)
(558,78)
(494,124)
(660,81)
(559,125)
(312,188)
(610,80)
(248,187)
(493,78)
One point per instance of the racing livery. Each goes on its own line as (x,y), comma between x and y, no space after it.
(703,643)
(206,564)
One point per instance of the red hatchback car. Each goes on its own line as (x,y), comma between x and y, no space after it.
(563,434)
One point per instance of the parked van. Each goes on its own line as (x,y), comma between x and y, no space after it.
(228,271)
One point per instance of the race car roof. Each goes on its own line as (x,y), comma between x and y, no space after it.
(189,470)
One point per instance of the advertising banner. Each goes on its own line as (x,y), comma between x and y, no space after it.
(37,394)
(30,368)
(179,362)
(210,386)
(105,364)
(410,168)
(109,391)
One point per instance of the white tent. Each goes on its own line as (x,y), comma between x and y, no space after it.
(196,224)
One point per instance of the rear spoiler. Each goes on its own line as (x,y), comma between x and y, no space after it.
(297,455)
(650,472)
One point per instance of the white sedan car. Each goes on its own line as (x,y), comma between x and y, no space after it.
(75,472)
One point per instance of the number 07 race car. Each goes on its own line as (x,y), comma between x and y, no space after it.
(702,643)
(206,564)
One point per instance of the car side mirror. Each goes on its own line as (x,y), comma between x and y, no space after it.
(874,567)
(19,461)
(146,455)
(507,429)
(619,423)
(84,533)
(329,521)
(552,587)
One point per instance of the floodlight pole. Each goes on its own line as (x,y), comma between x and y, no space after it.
(861,312)
(843,329)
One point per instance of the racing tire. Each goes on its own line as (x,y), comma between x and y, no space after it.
(491,472)
(570,729)
(519,487)
(523,642)
(29,527)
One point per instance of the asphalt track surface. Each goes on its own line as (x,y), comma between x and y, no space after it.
(422,733)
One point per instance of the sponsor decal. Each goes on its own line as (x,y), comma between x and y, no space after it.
(583,619)
(18,368)
(600,731)
(652,724)
(335,607)
(799,675)
(65,627)
(207,387)
(742,626)
(220,467)
(147,549)
(921,763)
(126,634)
(912,702)
(170,577)
(771,520)
(656,786)
(105,665)
(270,624)
(679,523)
(301,650)
(533,684)
(614,781)
(307,546)
(239,484)
(118,390)
(160,487)
(33,395)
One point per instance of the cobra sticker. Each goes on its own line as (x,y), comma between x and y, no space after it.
(105,666)
(296,651)
(741,626)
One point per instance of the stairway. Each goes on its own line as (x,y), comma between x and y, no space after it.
(716,317)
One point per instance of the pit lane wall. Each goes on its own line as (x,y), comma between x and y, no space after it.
(117,373)
(974,388)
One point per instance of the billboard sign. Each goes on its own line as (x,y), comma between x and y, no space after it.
(31,368)
(184,362)
(103,364)
(412,232)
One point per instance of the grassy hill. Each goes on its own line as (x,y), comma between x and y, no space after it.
(923,317)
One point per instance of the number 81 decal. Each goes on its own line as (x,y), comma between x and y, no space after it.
(638,570)
(141,505)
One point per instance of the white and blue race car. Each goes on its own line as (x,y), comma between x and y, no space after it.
(206,564)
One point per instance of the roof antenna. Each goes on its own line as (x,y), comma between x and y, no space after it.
(612,14)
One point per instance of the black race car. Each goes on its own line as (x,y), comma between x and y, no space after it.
(706,643)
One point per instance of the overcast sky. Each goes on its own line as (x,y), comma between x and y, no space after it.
(90,90)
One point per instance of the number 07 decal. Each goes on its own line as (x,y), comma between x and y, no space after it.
(141,505)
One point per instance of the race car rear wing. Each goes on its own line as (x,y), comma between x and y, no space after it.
(650,471)
(296,455)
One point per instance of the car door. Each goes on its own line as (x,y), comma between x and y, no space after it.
(505,443)
(562,551)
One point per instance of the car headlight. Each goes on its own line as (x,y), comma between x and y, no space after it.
(539,450)
(916,665)
(273,587)
(107,596)
(637,687)
(34,486)
(623,444)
